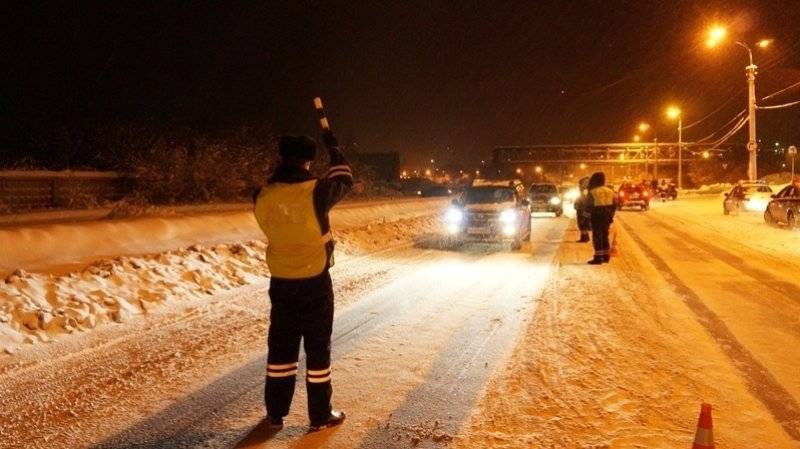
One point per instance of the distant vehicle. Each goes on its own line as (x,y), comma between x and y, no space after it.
(784,208)
(434,190)
(633,195)
(666,190)
(491,211)
(544,197)
(748,196)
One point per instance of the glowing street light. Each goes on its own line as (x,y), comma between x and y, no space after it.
(636,138)
(706,154)
(583,166)
(715,34)
(764,43)
(519,171)
(643,127)
(674,112)
(428,172)
(538,169)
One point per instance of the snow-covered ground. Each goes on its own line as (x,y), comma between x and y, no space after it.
(468,348)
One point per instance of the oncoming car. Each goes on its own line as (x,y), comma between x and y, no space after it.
(749,196)
(490,211)
(784,209)
(545,198)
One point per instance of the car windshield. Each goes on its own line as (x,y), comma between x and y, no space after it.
(488,195)
(543,188)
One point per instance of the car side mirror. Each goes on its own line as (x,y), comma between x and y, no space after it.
(525,202)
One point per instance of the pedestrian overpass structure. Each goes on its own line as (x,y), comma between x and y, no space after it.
(632,159)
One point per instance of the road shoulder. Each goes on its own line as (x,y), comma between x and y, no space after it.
(604,362)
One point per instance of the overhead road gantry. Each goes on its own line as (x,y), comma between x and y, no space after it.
(644,158)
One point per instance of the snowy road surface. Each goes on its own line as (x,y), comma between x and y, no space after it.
(476,347)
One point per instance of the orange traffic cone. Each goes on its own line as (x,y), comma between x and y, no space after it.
(612,236)
(704,437)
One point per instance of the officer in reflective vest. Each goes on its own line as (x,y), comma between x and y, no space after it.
(601,206)
(292,210)
(581,212)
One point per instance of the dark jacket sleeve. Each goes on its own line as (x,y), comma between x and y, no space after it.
(336,183)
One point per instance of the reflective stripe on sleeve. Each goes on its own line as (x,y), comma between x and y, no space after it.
(339,167)
(339,173)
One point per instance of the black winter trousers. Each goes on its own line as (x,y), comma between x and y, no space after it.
(601,220)
(301,309)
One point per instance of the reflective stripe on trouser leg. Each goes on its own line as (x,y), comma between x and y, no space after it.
(283,344)
(317,328)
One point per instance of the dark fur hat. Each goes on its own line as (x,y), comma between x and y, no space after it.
(297,149)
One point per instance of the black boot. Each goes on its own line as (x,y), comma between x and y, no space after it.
(334,419)
(274,423)
(606,259)
(584,239)
(596,260)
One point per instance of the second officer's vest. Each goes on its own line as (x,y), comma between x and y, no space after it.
(602,196)
(295,243)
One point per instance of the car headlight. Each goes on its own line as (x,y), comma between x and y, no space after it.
(572,194)
(755,204)
(454,216)
(508,216)
(555,201)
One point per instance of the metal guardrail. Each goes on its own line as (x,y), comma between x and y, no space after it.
(33,190)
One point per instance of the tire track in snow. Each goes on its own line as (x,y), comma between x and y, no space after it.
(434,411)
(762,383)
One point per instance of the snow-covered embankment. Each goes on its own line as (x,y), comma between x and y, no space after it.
(62,278)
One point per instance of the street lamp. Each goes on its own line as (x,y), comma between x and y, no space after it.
(792,151)
(538,169)
(636,138)
(673,113)
(716,34)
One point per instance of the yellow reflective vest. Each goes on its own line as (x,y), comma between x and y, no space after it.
(602,196)
(296,247)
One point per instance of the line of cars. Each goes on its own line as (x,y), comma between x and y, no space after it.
(500,211)
(780,209)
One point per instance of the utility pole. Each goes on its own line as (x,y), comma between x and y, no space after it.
(752,143)
(680,153)
(655,158)
(793,154)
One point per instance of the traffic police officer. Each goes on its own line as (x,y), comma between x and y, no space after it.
(600,204)
(581,212)
(292,210)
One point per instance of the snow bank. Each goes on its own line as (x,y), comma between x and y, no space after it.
(39,307)
(62,247)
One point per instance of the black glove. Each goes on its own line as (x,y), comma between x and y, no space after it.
(329,139)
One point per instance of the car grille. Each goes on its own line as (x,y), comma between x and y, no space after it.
(481,218)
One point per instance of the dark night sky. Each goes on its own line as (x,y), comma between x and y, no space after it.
(412,76)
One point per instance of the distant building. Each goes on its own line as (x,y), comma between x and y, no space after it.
(384,166)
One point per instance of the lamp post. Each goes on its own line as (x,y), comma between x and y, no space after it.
(643,128)
(673,112)
(716,34)
(792,151)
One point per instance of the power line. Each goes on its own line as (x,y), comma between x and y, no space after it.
(779,106)
(781,91)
